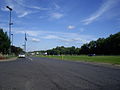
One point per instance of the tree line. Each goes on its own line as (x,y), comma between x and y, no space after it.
(5,44)
(105,46)
(102,46)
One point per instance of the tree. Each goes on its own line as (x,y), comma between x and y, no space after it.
(107,46)
(100,47)
(84,49)
(16,50)
(4,42)
(112,44)
(92,47)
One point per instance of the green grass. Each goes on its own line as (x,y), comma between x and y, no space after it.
(11,56)
(101,59)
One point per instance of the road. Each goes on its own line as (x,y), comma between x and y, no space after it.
(34,73)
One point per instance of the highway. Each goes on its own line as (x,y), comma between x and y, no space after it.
(35,73)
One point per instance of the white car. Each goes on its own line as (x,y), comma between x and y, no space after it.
(21,55)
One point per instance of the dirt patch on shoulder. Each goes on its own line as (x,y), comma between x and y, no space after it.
(9,59)
(2,58)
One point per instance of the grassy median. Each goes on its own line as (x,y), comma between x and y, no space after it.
(101,59)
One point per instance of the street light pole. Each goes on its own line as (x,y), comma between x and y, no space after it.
(10,9)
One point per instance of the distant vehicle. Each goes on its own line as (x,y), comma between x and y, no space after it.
(21,55)
(91,54)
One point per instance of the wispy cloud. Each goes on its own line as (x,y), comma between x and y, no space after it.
(23,14)
(76,40)
(35,40)
(70,27)
(56,15)
(56,6)
(39,8)
(21,9)
(60,36)
(29,32)
(66,39)
(104,8)
(17,7)
(56,11)
(4,9)
(51,37)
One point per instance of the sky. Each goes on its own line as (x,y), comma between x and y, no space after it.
(51,23)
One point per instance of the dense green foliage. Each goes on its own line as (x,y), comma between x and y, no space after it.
(16,50)
(108,46)
(4,42)
(63,51)
(102,46)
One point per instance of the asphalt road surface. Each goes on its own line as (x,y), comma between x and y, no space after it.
(49,74)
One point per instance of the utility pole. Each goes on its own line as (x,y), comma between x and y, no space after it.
(10,9)
(12,39)
(25,43)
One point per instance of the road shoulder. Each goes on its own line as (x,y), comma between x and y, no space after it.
(116,66)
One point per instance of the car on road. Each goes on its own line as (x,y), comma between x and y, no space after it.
(91,54)
(22,55)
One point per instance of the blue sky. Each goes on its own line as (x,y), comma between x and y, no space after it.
(51,23)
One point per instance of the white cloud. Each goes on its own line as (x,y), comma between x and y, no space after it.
(104,8)
(56,15)
(75,40)
(60,36)
(51,37)
(70,27)
(29,32)
(67,39)
(4,9)
(32,33)
(35,40)
(23,14)
(70,37)
(39,8)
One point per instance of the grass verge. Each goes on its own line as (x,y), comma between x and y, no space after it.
(100,59)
